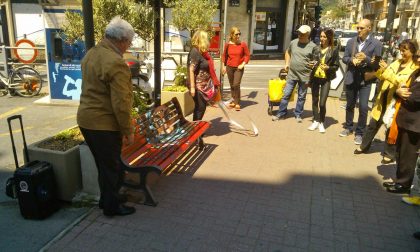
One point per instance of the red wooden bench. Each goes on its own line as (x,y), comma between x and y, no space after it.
(161,137)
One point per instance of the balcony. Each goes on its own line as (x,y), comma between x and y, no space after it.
(406,5)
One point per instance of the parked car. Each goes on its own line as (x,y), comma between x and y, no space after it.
(345,36)
(337,36)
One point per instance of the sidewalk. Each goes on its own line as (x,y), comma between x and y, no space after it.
(288,189)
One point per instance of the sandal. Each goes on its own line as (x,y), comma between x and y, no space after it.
(231,105)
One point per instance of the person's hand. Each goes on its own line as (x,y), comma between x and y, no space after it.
(241,66)
(192,92)
(224,70)
(355,61)
(128,139)
(324,67)
(312,63)
(361,56)
(403,92)
(383,64)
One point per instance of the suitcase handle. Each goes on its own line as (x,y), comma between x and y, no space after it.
(25,148)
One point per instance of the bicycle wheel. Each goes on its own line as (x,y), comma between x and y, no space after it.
(26,81)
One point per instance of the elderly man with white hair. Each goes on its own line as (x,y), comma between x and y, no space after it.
(104,111)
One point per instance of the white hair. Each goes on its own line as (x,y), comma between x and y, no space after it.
(119,29)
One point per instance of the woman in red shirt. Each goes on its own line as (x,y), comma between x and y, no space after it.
(235,56)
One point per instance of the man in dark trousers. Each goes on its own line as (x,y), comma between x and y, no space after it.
(104,114)
(357,56)
(299,62)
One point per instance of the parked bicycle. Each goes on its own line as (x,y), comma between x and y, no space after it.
(23,81)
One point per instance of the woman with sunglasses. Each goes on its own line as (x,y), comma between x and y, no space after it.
(235,56)
(322,73)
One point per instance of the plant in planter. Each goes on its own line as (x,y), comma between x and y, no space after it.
(180,91)
(62,151)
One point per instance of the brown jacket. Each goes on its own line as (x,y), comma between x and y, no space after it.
(106,99)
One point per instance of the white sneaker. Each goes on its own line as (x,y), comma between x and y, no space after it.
(313,126)
(321,128)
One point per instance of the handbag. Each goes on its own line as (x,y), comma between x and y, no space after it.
(209,91)
(389,114)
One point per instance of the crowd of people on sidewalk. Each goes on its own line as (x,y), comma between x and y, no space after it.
(104,112)
(397,104)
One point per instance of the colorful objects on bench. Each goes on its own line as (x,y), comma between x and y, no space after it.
(161,136)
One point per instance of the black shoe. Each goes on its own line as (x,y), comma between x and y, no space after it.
(120,211)
(357,151)
(398,188)
(122,198)
(417,235)
(388,184)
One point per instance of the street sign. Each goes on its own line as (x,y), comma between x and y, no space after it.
(24,53)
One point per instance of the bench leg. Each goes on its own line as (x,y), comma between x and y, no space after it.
(200,143)
(142,185)
(150,199)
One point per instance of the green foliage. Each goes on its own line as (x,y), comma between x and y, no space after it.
(72,133)
(192,15)
(141,100)
(175,88)
(181,76)
(139,15)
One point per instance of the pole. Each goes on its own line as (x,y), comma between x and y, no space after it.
(390,20)
(157,52)
(223,46)
(88,24)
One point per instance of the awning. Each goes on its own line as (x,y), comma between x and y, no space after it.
(382,23)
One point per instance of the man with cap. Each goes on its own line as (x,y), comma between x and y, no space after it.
(299,59)
(358,54)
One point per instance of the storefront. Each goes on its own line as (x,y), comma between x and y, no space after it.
(269,31)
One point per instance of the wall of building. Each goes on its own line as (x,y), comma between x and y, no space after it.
(238,16)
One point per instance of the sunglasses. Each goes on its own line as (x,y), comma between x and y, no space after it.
(237,34)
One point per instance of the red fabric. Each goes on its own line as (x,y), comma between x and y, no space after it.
(213,75)
(236,54)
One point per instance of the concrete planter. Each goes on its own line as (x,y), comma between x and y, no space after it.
(66,165)
(184,98)
(89,171)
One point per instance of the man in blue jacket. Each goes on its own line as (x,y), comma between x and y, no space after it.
(357,56)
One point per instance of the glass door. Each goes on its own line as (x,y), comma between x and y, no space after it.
(267,32)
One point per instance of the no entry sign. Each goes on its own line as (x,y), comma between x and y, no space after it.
(24,53)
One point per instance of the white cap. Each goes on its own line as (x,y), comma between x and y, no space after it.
(304,29)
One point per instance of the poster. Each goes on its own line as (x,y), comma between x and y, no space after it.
(64,66)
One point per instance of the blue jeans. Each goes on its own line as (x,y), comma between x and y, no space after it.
(287,92)
(354,91)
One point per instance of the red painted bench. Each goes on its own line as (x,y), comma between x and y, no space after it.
(161,137)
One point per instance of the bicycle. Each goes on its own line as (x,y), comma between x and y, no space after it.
(24,81)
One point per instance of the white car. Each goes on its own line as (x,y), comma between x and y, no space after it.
(345,36)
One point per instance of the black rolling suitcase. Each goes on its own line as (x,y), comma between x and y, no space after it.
(33,183)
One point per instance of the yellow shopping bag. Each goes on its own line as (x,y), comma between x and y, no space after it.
(275,90)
